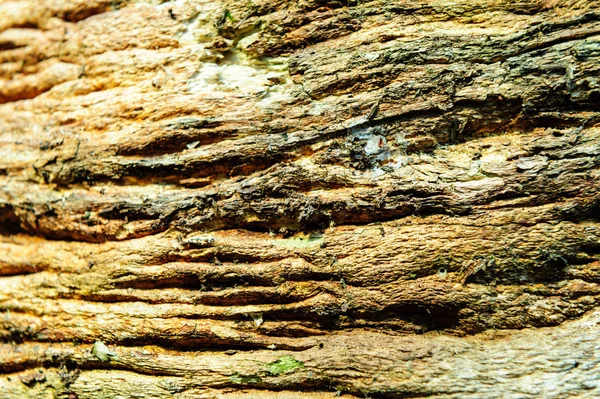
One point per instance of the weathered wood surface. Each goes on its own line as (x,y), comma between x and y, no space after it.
(262,198)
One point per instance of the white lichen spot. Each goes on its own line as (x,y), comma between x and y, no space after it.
(377,172)
(360,132)
(101,351)
(200,27)
(371,56)
(238,77)
(376,144)
(474,169)
(272,347)
(344,307)
(193,144)
(258,319)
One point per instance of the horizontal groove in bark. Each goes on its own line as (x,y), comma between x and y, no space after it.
(348,363)
(414,298)
(282,196)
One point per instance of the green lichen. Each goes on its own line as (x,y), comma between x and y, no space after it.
(284,364)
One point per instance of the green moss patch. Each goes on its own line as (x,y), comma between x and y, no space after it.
(284,364)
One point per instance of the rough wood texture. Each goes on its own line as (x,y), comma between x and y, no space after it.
(297,199)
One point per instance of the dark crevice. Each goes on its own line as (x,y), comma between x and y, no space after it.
(64,360)
(84,11)
(429,317)
(237,298)
(165,171)
(177,136)
(218,281)
(454,128)
(24,25)
(25,95)
(10,46)
(304,214)
(10,224)
(7,270)
(222,255)
(192,343)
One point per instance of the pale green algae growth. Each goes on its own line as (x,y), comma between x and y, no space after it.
(283,365)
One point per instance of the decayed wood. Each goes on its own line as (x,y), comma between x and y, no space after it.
(551,362)
(299,199)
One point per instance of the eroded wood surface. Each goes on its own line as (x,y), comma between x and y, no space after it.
(262,198)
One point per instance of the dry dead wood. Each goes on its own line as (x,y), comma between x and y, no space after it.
(299,199)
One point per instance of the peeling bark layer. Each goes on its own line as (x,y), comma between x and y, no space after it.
(246,199)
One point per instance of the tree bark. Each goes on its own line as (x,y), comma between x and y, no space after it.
(267,198)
